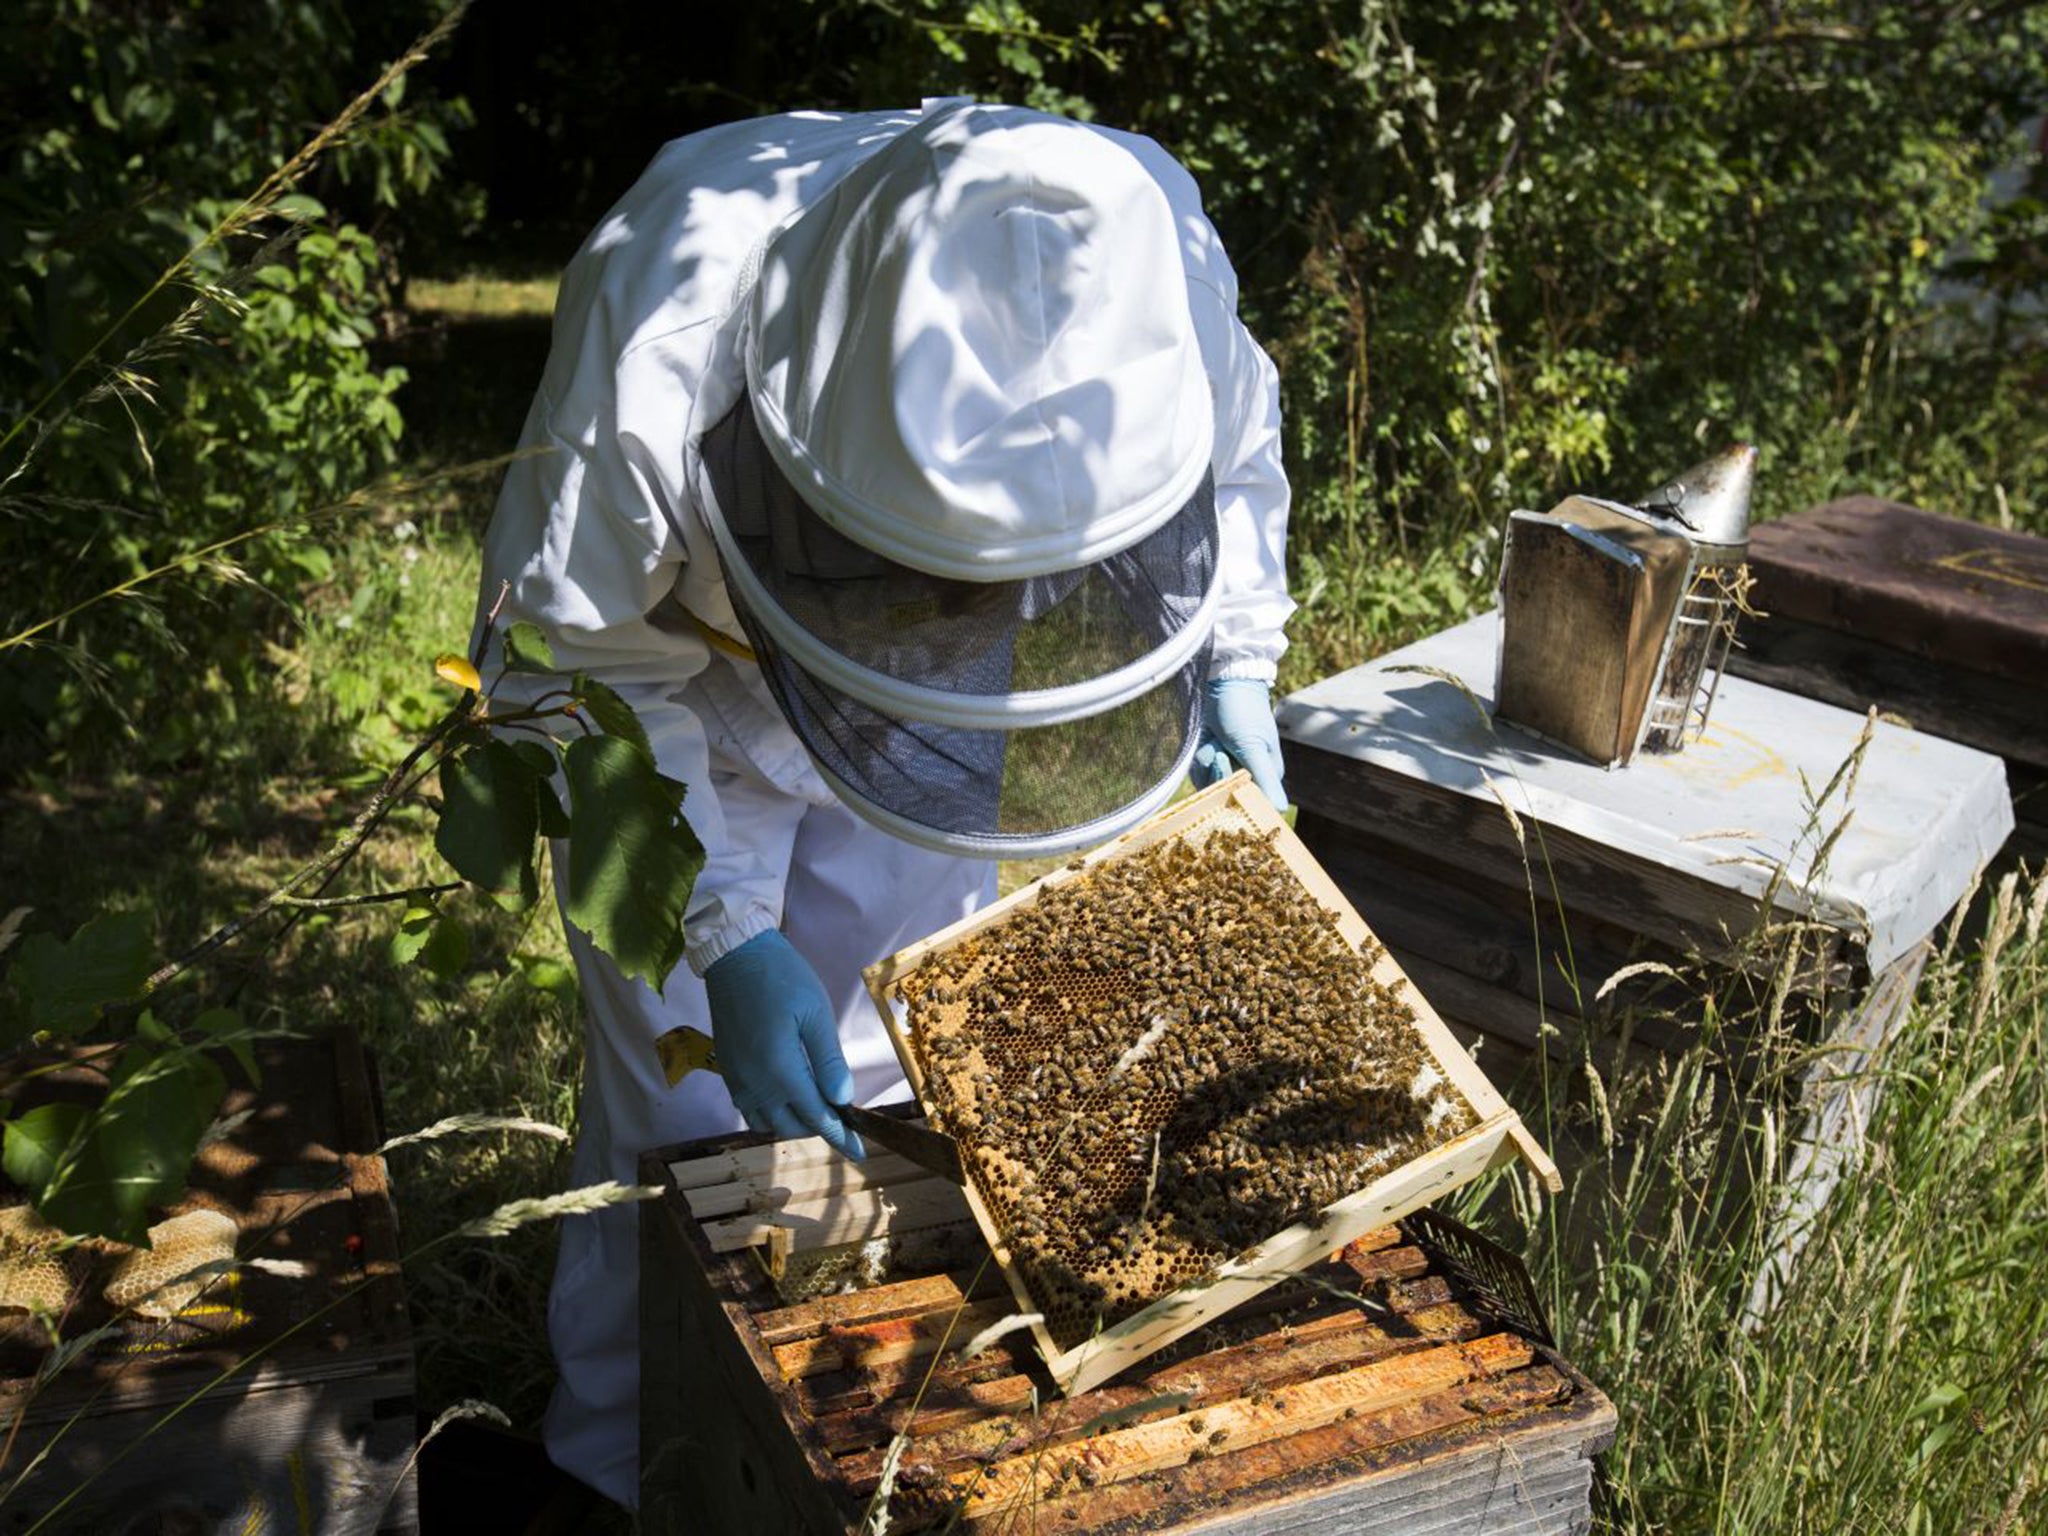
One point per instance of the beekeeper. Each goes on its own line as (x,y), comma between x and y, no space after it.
(913,479)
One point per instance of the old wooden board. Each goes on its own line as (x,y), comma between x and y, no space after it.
(293,1379)
(1958,593)
(1099,1351)
(1374,1393)
(1941,623)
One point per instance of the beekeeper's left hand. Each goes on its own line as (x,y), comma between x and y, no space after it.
(1238,731)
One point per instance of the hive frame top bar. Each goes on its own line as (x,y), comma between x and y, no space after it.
(1497,1137)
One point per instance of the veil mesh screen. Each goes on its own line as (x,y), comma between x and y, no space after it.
(981,639)
(989,784)
(967,637)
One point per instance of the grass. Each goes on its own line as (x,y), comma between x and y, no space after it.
(480,295)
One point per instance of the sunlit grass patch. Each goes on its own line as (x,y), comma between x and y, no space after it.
(480,296)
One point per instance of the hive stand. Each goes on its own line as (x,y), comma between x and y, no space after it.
(1497,1138)
(292,1392)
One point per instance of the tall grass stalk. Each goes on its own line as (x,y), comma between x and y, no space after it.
(1895,1381)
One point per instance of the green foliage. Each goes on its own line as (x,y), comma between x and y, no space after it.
(244,393)
(526,648)
(131,1152)
(490,817)
(1503,250)
(633,860)
(63,985)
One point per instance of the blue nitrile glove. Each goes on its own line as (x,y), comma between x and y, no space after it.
(778,1042)
(1238,731)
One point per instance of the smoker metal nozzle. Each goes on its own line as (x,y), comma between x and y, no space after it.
(1711,500)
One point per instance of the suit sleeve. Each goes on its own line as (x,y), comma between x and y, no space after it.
(581,546)
(1251,491)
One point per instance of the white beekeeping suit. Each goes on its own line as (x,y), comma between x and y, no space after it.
(913,478)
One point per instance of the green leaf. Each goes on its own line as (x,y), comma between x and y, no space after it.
(490,812)
(554,821)
(224,1027)
(526,648)
(538,759)
(447,948)
(549,976)
(66,984)
(36,1142)
(614,716)
(414,929)
(134,1151)
(633,860)
(1938,1400)
(299,207)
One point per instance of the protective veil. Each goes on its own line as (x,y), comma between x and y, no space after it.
(965,509)
(909,465)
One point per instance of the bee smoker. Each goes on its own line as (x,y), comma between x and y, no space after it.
(1616,620)
(1710,503)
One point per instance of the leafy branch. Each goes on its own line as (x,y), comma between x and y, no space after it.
(631,865)
(123,377)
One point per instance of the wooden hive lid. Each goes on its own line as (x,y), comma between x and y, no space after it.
(1956,592)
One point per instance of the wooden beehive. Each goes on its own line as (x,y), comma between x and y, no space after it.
(1512,880)
(293,1385)
(1390,1390)
(1938,621)
(1175,1296)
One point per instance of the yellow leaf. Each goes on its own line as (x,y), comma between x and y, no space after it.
(685,1050)
(455,669)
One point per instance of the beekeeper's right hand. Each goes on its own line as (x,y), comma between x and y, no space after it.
(778,1042)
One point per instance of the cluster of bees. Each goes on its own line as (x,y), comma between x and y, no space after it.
(1160,1063)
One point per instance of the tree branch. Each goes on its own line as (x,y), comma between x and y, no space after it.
(328,864)
(367,898)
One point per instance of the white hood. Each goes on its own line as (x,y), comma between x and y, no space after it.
(975,355)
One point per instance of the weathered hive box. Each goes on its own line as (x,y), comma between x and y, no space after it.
(1941,622)
(1511,879)
(1392,1390)
(294,1383)
(1179,1070)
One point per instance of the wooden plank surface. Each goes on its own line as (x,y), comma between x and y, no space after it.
(864,1346)
(1991,713)
(826,1221)
(1240,1423)
(720,1440)
(1265,1366)
(1967,595)
(1614,885)
(1490,1438)
(1313,1469)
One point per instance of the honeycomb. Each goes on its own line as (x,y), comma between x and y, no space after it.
(33,1277)
(186,1255)
(1161,1062)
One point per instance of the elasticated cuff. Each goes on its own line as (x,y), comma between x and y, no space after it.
(705,951)
(1256,668)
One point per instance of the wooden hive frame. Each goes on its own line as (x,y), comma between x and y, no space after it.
(1498,1137)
